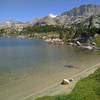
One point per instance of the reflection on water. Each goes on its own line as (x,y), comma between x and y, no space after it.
(20,59)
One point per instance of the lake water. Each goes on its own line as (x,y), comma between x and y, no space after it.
(27,64)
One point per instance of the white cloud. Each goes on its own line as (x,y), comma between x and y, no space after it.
(52,15)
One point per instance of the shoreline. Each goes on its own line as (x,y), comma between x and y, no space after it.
(58,41)
(58,89)
(46,86)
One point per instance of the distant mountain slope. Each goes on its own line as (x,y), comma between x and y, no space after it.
(67,18)
(12,26)
(76,15)
(88,10)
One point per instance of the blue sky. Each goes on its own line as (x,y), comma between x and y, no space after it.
(27,10)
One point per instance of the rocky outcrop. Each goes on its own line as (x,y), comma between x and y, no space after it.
(13,25)
(76,15)
(86,10)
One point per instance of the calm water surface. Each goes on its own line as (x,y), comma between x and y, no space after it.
(20,59)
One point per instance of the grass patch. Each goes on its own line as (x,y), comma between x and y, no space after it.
(86,89)
(97,40)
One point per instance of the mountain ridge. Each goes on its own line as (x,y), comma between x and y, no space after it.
(89,9)
(68,17)
(75,15)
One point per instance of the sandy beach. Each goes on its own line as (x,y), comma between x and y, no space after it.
(58,89)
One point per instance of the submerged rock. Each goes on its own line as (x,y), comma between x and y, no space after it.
(69,66)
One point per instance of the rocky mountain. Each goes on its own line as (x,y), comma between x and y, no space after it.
(48,20)
(84,10)
(75,15)
(9,23)
(13,25)
(94,20)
